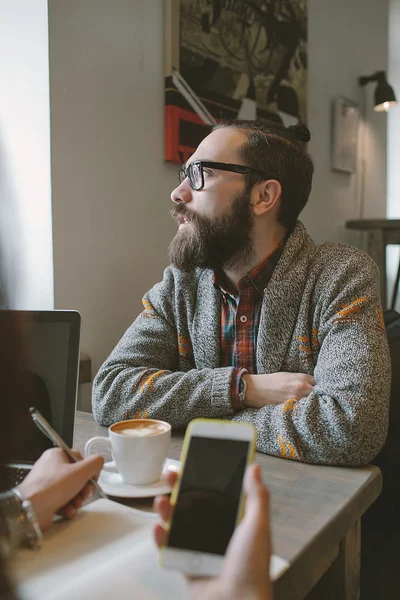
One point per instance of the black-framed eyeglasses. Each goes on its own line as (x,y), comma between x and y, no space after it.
(195,173)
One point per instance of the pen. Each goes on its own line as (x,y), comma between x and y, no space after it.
(57,440)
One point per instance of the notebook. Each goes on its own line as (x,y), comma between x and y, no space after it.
(106,552)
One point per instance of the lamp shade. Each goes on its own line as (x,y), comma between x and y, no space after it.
(385,98)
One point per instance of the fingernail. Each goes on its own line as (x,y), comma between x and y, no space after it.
(90,493)
(257,473)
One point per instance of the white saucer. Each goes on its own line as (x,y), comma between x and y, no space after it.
(111,482)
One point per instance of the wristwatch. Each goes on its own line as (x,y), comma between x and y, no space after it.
(29,529)
(242,392)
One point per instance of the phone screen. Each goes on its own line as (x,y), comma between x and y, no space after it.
(207,505)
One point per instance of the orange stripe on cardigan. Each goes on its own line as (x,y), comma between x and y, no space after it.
(184,345)
(142,376)
(303,338)
(137,415)
(149,380)
(292,451)
(148,309)
(347,312)
(314,338)
(306,349)
(283,451)
(305,345)
(289,405)
(140,415)
(287,449)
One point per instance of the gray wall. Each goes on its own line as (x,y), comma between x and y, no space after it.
(347,38)
(110,184)
(393,145)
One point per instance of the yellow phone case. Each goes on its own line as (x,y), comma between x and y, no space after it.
(184,451)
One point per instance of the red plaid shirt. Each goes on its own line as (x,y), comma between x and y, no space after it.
(240,319)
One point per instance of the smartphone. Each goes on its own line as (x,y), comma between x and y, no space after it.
(208,498)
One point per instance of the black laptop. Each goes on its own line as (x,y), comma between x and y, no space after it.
(50,383)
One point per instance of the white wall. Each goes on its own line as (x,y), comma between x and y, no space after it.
(110,183)
(393,142)
(25,193)
(347,38)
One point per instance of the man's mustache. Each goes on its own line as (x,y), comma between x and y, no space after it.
(180,212)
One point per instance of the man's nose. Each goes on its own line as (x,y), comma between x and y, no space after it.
(182,193)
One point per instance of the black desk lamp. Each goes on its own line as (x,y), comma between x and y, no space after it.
(385,98)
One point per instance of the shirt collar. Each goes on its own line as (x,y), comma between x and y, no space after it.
(257,278)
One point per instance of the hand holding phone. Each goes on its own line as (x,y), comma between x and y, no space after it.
(246,568)
(208,497)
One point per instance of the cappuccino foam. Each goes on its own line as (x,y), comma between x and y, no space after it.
(142,429)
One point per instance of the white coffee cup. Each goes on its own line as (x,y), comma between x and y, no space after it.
(139,448)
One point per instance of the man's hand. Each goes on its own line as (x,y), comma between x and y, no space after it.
(275,388)
(56,485)
(245,572)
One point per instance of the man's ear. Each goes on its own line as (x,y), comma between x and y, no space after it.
(266,196)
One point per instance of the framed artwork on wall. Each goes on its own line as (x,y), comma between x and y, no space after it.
(345,125)
(227,59)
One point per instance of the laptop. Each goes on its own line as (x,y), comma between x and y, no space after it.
(50,382)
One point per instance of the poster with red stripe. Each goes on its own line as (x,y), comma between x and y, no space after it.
(236,59)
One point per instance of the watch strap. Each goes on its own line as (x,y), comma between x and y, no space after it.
(242,392)
(32,534)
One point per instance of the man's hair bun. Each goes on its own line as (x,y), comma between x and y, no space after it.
(300,132)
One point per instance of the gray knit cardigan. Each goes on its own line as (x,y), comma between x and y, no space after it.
(320,315)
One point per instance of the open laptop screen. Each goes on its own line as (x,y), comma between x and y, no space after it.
(50,378)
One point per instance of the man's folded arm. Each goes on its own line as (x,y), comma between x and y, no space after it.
(344,420)
(140,378)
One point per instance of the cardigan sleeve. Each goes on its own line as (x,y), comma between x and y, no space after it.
(151,372)
(344,421)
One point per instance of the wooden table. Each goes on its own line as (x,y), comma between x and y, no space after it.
(380,233)
(316,515)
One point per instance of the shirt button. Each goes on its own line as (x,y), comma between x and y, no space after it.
(243,318)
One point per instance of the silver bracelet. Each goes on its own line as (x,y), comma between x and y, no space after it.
(33,535)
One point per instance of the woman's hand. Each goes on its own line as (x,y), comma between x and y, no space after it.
(56,485)
(245,572)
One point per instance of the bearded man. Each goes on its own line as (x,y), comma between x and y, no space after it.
(253,321)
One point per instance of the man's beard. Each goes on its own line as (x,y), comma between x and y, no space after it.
(216,242)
